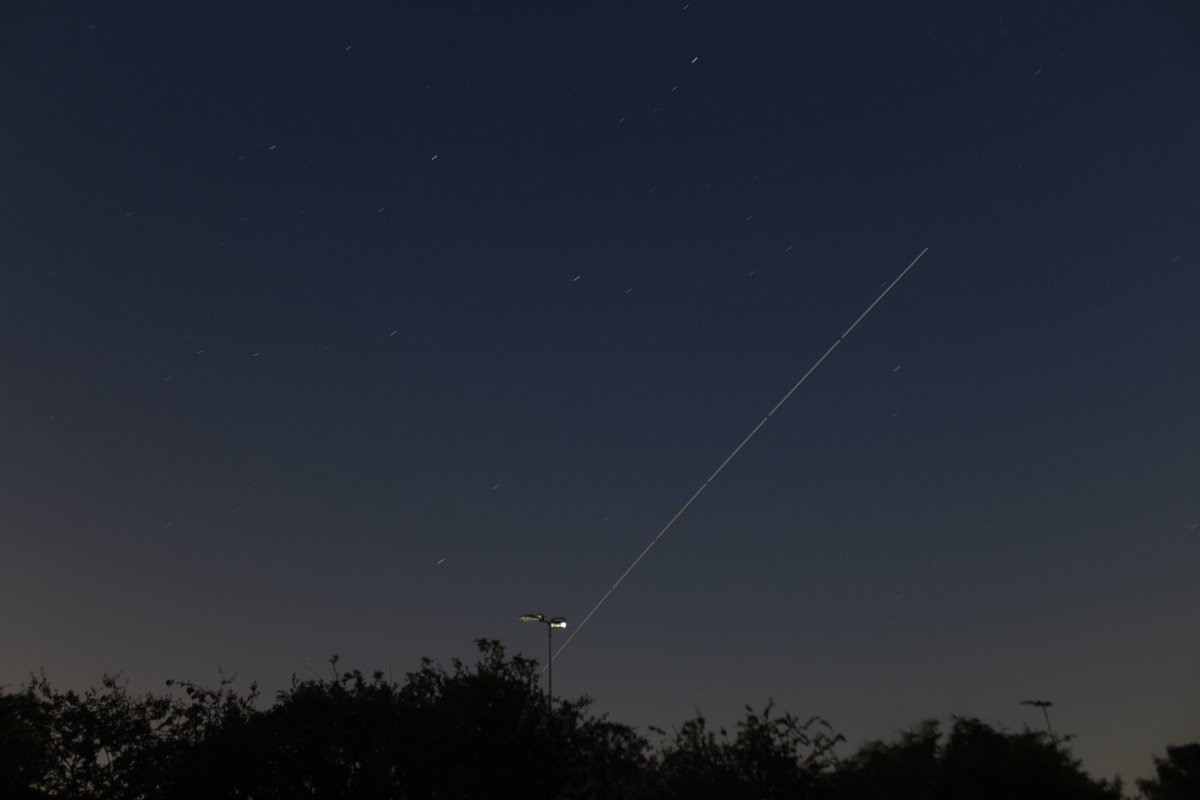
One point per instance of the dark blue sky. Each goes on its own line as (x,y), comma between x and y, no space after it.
(366,329)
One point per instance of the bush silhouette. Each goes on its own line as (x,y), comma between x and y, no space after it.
(974,760)
(1177,777)
(769,756)
(485,730)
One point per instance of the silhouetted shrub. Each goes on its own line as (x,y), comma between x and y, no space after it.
(974,761)
(1177,777)
(486,730)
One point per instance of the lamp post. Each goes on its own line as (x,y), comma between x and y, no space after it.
(551,623)
(1043,705)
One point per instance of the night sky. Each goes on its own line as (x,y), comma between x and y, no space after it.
(365,328)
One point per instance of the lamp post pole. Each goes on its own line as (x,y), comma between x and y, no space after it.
(551,623)
(1044,705)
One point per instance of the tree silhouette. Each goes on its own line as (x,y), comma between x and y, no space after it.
(769,756)
(24,747)
(103,743)
(907,769)
(484,730)
(974,761)
(1177,777)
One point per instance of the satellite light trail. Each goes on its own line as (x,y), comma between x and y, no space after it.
(730,457)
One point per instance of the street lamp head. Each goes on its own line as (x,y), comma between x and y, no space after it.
(551,623)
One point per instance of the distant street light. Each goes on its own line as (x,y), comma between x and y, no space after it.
(551,623)
(1043,705)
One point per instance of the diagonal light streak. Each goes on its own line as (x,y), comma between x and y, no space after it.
(731,456)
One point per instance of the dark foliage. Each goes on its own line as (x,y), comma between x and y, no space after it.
(470,732)
(973,761)
(486,730)
(768,757)
(1177,777)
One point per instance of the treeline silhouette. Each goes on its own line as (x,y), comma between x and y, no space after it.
(486,731)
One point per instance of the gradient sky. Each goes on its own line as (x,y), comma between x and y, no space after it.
(363,329)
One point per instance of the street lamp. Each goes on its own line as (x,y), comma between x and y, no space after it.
(551,623)
(1043,705)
